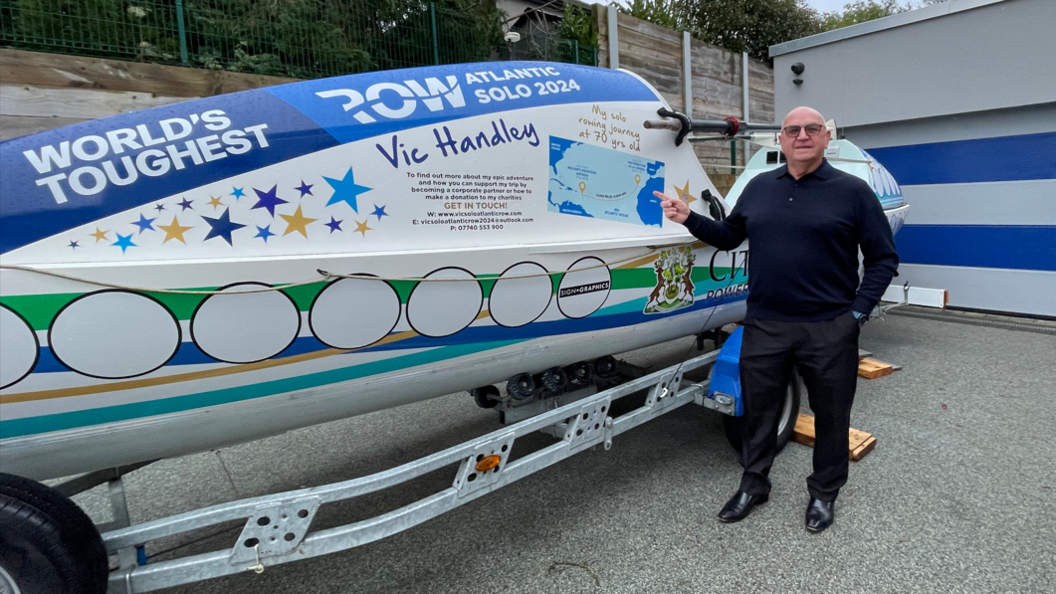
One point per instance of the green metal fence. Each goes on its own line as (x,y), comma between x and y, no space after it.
(295,38)
(546,46)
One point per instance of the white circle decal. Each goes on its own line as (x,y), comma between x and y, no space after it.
(18,348)
(114,335)
(584,288)
(247,327)
(444,308)
(519,301)
(352,313)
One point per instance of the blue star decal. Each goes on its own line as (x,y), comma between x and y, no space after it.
(186,203)
(334,225)
(346,190)
(159,207)
(238,193)
(74,245)
(144,224)
(124,242)
(305,189)
(222,227)
(379,211)
(264,233)
(268,200)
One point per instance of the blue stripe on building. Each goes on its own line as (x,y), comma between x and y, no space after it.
(1021,247)
(1005,158)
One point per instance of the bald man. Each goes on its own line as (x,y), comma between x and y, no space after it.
(806,222)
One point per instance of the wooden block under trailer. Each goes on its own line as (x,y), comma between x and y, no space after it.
(872,369)
(860,443)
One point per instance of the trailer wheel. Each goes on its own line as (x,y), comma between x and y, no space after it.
(785,426)
(521,386)
(554,380)
(606,366)
(580,374)
(483,396)
(47,544)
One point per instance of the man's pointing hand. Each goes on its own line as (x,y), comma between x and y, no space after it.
(674,209)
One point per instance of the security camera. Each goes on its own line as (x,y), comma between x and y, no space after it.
(513,37)
(798,68)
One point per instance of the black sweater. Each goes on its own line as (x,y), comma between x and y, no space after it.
(805,235)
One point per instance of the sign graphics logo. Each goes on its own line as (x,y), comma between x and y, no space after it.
(674,288)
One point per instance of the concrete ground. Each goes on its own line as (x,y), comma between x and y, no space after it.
(958,496)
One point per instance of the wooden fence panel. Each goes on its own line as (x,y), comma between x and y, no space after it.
(75,103)
(46,91)
(58,71)
(717,77)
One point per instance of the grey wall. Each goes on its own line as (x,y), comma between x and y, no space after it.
(993,56)
(957,126)
(1001,203)
(992,289)
(957,73)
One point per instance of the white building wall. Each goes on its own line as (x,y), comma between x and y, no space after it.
(964,56)
(958,101)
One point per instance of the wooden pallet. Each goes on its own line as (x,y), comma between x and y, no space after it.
(872,369)
(861,443)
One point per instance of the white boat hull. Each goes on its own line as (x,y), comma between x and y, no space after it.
(162,285)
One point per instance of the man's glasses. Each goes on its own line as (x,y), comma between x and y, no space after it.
(793,131)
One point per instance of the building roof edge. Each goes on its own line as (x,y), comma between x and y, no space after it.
(895,20)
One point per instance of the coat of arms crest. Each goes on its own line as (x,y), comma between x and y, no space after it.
(674,287)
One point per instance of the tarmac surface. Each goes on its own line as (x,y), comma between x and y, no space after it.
(958,496)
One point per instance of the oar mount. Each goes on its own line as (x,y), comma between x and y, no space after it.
(683,125)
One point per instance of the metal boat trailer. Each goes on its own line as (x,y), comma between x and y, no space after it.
(278,527)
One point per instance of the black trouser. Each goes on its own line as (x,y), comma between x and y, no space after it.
(826,355)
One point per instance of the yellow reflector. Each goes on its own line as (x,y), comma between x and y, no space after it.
(488,463)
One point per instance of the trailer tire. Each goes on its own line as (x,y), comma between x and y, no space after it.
(606,367)
(554,380)
(789,413)
(521,386)
(485,396)
(48,545)
(580,374)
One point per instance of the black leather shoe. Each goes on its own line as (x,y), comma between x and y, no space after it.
(737,508)
(819,514)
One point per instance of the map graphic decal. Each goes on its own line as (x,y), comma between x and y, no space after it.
(601,183)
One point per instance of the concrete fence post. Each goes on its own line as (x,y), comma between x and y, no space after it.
(614,41)
(687,73)
(747,112)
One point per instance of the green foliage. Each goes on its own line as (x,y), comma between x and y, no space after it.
(51,20)
(295,38)
(666,14)
(578,24)
(751,25)
(573,39)
(860,12)
(738,25)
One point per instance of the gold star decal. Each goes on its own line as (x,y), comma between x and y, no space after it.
(99,235)
(362,228)
(297,222)
(215,201)
(683,193)
(174,231)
